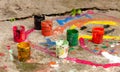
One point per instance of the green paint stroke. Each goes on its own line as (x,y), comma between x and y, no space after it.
(12,19)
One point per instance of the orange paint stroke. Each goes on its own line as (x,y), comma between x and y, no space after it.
(79,23)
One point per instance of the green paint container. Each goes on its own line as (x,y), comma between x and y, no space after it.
(72,37)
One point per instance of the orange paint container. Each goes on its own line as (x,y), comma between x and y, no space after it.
(46,28)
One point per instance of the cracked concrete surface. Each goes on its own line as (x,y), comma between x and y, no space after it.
(27,8)
(23,8)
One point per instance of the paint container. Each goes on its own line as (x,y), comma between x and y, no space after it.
(62,48)
(23,51)
(97,35)
(46,28)
(19,33)
(37,21)
(72,37)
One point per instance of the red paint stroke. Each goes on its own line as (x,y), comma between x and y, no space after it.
(46,50)
(79,61)
(8,47)
(2,54)
(4,67)
(92,63)
(84,46)
(28,32)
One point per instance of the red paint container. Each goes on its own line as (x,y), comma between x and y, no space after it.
(97,35)
(46,27)
(19,33)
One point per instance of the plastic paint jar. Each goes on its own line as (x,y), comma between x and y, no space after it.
(72,37)
(19,33)
(97,35)
(23,51)
(62,48)
(37,21)
(46,28)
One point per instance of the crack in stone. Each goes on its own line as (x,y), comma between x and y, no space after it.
(65,13)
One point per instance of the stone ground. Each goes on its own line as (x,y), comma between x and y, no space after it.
(23,8)
(40,59)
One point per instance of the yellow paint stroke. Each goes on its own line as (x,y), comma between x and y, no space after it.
(102,22)
(73,27)
(104,37)
(85,36)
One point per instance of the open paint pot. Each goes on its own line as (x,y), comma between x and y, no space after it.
(19,33)
(97,35)
(23,51)
(72,37)
(37,21)
(62,48)
(46,28)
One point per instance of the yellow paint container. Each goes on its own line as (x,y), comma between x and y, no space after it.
(23,51)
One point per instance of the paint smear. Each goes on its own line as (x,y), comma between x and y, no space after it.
(102,22)
(79,61)
(104,37)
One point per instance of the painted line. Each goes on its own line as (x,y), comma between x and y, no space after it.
(79,61)
(104,37)
(80,22)
(102,22)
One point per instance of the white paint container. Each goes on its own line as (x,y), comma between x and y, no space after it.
(62,48)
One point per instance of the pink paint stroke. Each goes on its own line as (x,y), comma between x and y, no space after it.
(29,32)
(79,61)
(84,46)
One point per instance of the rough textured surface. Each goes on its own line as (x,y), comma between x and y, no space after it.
(22,8)
(40,59)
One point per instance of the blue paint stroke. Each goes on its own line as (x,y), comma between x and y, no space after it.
(63,21)
(49,43)
(88,16)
